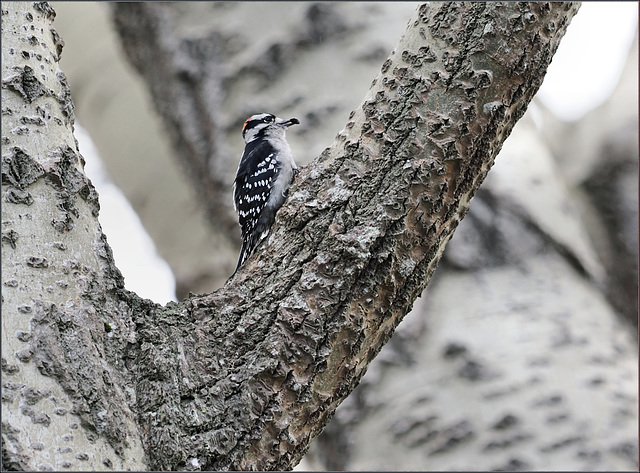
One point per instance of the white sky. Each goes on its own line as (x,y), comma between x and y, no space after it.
(590,58)
(582,74)
(144,271)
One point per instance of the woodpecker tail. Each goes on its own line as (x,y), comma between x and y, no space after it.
(244,254)
(245,251)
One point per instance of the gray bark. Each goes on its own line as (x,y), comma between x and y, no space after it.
(184,82)
(512,359)
(67,399)
(245,377)
(536,370)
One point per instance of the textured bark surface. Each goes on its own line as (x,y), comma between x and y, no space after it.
(66,398)
(370,217)
(245,377)
(512,359)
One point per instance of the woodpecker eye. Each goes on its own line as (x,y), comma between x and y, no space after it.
(268,119)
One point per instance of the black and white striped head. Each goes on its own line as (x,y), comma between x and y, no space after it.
(265,124)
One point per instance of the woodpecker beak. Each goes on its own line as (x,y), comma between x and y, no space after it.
(289,122)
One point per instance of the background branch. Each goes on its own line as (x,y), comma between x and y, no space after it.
(184,81)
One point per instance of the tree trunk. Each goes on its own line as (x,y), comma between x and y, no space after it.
(68,400)
(245,377)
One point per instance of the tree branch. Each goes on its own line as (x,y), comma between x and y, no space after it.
(245,377)
(65,324)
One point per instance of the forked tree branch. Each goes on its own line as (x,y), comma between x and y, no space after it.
(245,377)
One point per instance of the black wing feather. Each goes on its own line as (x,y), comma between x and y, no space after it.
(252,187)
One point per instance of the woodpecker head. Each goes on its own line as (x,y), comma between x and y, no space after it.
(265,124)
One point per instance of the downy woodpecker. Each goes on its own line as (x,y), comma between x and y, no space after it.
(264,174)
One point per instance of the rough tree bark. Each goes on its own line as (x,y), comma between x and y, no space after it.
(511,360)
(245,377)
(67,398)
